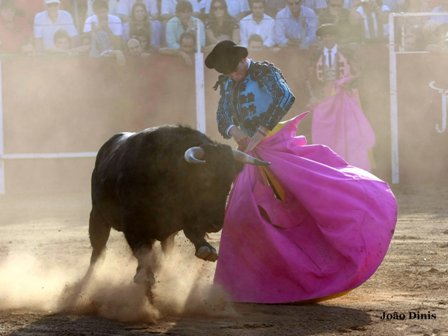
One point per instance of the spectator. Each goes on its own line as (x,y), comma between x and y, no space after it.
(295,25)
(140,24)
(125,8)
(135,50)
(186,50)
(168,8)
(48,22)
(372,16)
(272,7)
(15,31)
(220,25)
(336,14)
(316,5)
(181,23)
(338,120)
(236,8)
(257,23)
(63,45)
(144,40)
(395,5)
(255,43)
(112,5)
(438,20)
(105,30)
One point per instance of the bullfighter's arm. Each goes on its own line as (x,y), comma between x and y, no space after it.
(283,98)
(223,115)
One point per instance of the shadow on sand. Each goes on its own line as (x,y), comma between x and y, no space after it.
(250,319)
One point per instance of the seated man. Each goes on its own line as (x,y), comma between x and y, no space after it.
(105,30)
(181,23)
(295,25)
(257,23)
(48,22)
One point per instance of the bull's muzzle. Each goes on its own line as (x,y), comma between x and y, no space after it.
(196,155)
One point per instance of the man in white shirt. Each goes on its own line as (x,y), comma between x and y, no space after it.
(48,22)
(257,23)
(295,25)
(105,30)
(181,23)
(168,8)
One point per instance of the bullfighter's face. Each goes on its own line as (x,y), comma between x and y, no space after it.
(240,72)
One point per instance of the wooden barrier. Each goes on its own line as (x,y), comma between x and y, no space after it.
(60,105)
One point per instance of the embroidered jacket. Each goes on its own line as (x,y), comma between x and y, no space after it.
(262,98)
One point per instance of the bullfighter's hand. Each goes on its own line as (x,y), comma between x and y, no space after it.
(256,138)
(240,137)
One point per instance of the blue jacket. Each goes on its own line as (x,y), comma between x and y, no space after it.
(262,98)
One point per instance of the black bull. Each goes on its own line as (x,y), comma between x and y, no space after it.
(154,183)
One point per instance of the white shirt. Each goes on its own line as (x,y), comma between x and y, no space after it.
(114,23)
(234,7)
(168,7)
(315,4)
(125,7)
(113,6)
(330,62)
(45,28)
(248,27)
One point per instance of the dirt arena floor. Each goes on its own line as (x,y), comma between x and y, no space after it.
(44,253)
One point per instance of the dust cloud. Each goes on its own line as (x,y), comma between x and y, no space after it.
(183,285)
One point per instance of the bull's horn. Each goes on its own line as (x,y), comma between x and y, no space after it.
(246,158)
(194,155)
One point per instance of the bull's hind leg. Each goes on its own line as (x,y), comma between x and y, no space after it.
(203,249)
(141,247)
(99,231)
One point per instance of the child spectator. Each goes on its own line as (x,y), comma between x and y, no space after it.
(257,23)
(135,50)
(63,45)
(15,31)
(48,22)
(255,43)
(186,49)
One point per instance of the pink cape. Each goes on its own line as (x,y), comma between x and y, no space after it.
(339,123)
(327,236)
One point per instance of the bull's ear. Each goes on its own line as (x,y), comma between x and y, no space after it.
(194,155)
(246,158)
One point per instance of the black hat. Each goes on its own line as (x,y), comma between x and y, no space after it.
(327,29)
(225,56)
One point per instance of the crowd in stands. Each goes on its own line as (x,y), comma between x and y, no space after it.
(139,28)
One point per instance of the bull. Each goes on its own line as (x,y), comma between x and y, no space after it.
(151,184)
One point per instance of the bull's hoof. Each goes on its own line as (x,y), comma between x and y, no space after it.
(144,278)
(207,253)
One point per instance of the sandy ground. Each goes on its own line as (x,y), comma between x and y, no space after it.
(44,252)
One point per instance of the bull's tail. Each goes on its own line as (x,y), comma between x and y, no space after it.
(99,231)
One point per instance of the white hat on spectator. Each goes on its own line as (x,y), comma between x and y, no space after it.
(47,2)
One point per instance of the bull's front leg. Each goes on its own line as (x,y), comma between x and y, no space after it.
(203,249)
